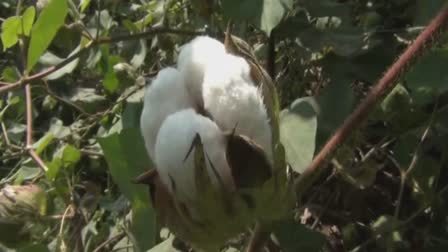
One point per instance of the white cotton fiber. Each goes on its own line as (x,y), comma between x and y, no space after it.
(234,101)
(166,94)
(175,139)
(194,58)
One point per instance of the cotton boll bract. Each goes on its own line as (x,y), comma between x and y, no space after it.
(166,95)
(195,58)
(174,142)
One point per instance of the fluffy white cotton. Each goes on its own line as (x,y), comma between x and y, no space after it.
(222,83)
(194,58)
(166,95)
(174,140)
(234,102)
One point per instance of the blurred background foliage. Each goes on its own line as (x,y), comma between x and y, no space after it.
(386,189)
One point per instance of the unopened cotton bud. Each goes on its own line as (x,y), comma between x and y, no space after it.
(166,95)
(174,142)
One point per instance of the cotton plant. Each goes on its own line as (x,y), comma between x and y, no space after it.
(210,128)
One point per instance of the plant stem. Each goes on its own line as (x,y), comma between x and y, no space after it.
(104,40)
(384,85)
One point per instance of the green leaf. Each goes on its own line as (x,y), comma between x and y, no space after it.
(266,14)
(295,237)
(88,99)
(9,32)
(28,20)
(44,30)
(65,69)
(335,104)
(10,74)
(43,142)
(328,8)
(427,10)
(70,155)
(65,157)
(298,124)
(84,4)
(34,248)
(110,81)
(140,54)
(165,246)
(127,158)
(428,78)
(26,173)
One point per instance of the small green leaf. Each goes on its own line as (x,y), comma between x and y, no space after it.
(140,54)
(65,157)
(295,237)
(126,156)
(28,20)
(110,81)
(298,124)
(47,25)
(70,155)
(9,32)
(165,246)
(65,69)
(428,78)
(84,4)
(10,74)
(43,142)
(266,14)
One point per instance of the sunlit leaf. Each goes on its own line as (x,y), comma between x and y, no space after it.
(165,246)
(9,32)
(28,20)
(298,124)
(84,4)
(48,23)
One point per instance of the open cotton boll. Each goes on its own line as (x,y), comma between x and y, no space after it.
(234,102)
(166,95)
(194,58)
(174,141)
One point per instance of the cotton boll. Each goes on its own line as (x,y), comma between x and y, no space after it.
(229,69)
(166,95)
(234,102)
(174,141)
(194,58)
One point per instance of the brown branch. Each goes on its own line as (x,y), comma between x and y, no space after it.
(150,32)
(258,238)
(385,84)
(105,40)
(29,116)
(29,129)
(112,240)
